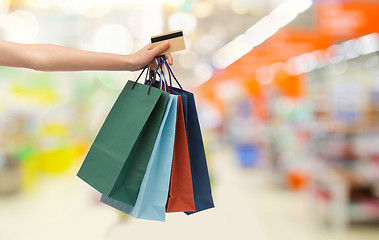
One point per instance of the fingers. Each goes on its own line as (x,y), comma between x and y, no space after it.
(158,50)
(153,65)
(169,59)
(148,46)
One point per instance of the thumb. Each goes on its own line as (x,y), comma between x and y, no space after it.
(158,50)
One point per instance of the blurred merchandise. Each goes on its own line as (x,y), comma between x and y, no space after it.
(247,155)
(315,118)
(297,180)
(10,176)
(28,160)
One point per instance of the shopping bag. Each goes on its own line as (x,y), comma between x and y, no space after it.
(200,176)
(152,198)
(180,197)
(116,162)
(199,169)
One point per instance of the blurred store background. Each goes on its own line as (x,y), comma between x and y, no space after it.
(288,97)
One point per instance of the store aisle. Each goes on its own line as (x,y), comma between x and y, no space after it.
(233,216)
(248,206)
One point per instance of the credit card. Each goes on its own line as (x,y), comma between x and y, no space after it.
(175,38)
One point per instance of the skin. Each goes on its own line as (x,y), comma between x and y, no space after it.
(48,57)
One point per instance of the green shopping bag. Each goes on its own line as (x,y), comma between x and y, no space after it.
(116,162)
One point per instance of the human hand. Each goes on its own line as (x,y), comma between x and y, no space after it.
(145,56)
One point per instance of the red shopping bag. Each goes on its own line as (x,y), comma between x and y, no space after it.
(180,197)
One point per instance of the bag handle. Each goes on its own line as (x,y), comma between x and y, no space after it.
(162,75)
(139,76)
(148,76)
(161,83)
(151,78)
(170,73)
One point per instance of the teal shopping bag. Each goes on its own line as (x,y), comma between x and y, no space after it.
(117,160)
(152,198)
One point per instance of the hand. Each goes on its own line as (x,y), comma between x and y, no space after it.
(145,56)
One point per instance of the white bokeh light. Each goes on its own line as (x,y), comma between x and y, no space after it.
(207,44)
(203,72)
(41,3)
(97,9)
(173,3)
(113,38)
(264,75)
(184,21)
(21,26)
(88,8)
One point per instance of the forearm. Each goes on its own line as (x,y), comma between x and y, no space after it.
(47,57)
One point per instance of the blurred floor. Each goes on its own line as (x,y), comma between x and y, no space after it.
(248,206)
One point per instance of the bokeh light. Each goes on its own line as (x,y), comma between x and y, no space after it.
(174,3)
(184,21)
(204,9)
(207,44)
(21,26)
(113,38)
(203,72)
(41,3)
(264,75)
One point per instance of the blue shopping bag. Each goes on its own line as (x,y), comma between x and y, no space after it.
(200,175)
(152,197)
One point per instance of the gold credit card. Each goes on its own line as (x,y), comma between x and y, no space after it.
(175,38)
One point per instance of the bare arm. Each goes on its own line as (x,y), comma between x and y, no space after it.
(48,57)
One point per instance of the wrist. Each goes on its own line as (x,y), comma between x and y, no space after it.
(127,62)
(132,63)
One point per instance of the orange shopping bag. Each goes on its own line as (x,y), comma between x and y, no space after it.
(180,197)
